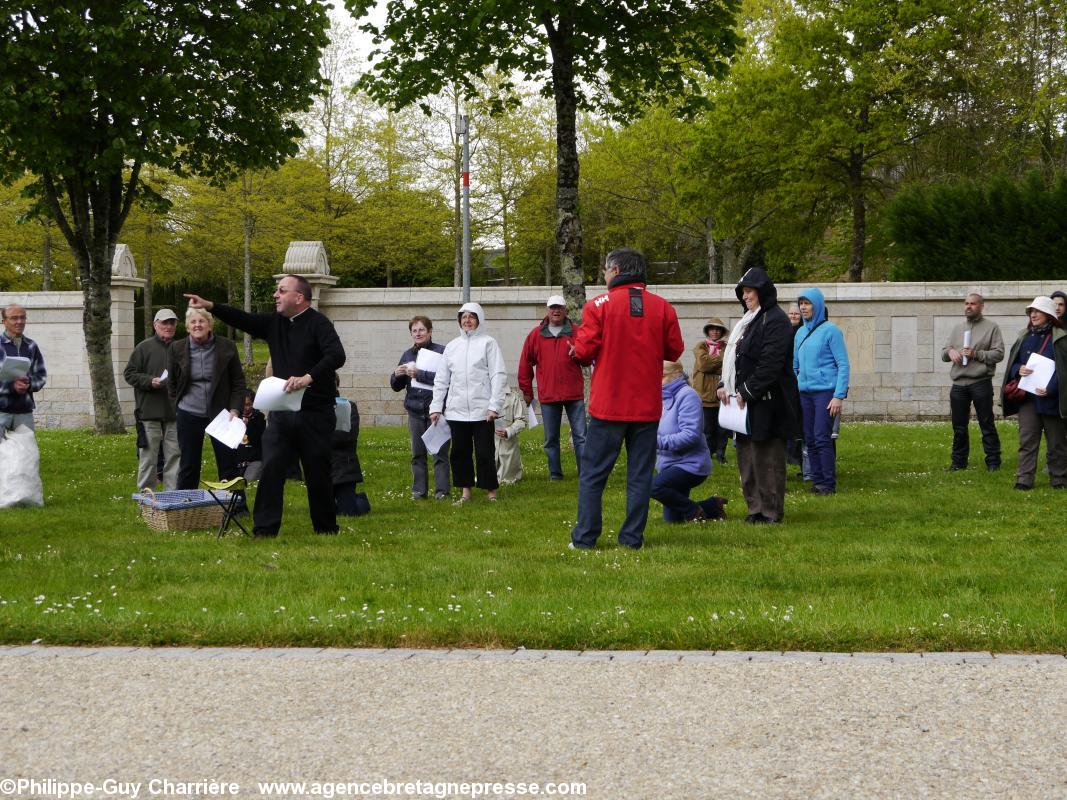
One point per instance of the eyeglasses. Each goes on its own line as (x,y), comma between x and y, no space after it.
(16,317)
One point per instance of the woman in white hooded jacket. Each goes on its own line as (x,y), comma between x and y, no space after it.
(469,392)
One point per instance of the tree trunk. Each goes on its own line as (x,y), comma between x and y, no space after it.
(147,296)
(859,215)
(96,324)
(46,260)
(746,253)
(247,304)
(97,213)
(568,223)
(730,271)
(505,234)
(714,269)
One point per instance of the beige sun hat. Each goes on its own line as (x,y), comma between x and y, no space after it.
(1046,306)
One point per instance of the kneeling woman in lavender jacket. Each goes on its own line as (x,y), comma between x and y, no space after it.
(683,461)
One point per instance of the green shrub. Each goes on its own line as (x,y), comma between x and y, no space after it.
(1000,230)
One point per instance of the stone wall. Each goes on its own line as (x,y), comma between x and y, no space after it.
(894,333)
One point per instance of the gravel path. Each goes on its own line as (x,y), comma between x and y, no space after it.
(627,725)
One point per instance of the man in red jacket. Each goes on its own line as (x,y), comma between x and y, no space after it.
(627,334)
(560,384)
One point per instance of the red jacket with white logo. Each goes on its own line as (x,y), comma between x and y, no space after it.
(559,376)
(627,334)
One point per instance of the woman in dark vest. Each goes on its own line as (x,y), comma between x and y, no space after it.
(205,377)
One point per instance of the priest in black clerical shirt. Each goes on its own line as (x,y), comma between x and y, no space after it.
(306,353)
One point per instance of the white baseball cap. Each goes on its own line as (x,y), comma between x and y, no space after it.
(164,314)
(556,300)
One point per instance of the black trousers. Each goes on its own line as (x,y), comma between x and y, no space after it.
(306,435)
(960,399)
(191,445)
(473,438)
(715,436)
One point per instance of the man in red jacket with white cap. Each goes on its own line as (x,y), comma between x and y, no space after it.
(626,334)
(560,383)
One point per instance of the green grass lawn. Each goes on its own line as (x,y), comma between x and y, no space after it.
(904,557)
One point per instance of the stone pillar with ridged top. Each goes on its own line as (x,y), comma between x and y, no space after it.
(308,260)
(124,286)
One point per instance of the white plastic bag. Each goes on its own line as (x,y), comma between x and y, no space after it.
(20,469)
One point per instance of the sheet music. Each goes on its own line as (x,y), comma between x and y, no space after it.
(228,431)
(427,361)
(436,435)
(271,396)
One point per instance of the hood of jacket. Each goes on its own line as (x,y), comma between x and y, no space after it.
(756,278)
(715,322)
(672,388)
(818,308)
(476,309)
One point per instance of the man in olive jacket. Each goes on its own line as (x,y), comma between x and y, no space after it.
(974,347)
(155,410)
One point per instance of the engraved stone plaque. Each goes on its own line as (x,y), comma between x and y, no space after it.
(859,339)
(904,344)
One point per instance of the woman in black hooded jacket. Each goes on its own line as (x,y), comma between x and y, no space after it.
(758,375)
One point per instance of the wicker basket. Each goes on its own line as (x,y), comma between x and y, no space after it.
(181,510)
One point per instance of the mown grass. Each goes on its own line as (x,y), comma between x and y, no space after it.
(905,557)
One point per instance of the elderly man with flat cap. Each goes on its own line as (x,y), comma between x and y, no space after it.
(546,357)
(16,396)
(145,372)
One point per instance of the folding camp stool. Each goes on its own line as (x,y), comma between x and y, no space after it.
(236,487)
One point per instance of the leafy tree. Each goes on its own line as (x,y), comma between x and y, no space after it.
(512,147)
(32,254)
(611,57)
(91,93)
(401,237)
(635,194)
(534,254)
(862,73)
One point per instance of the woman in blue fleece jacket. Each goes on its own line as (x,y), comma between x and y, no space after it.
(683,460)
(820,361)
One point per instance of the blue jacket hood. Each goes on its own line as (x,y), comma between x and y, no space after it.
(818,303)
(675,386)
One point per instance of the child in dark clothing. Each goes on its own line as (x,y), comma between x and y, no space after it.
(344,461)
(250,450)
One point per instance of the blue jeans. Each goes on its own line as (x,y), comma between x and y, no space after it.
(818,427)
(671,487)
(552,419)
(9,421)
(601,451)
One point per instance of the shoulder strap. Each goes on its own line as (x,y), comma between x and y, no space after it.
(810,333)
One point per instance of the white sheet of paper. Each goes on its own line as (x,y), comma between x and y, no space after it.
(1043,370)
(228,431)
(436,436)
(164,375)
(531,417)
(271,396)
(14,367)
(966,343)
(733,417)
(427,361)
